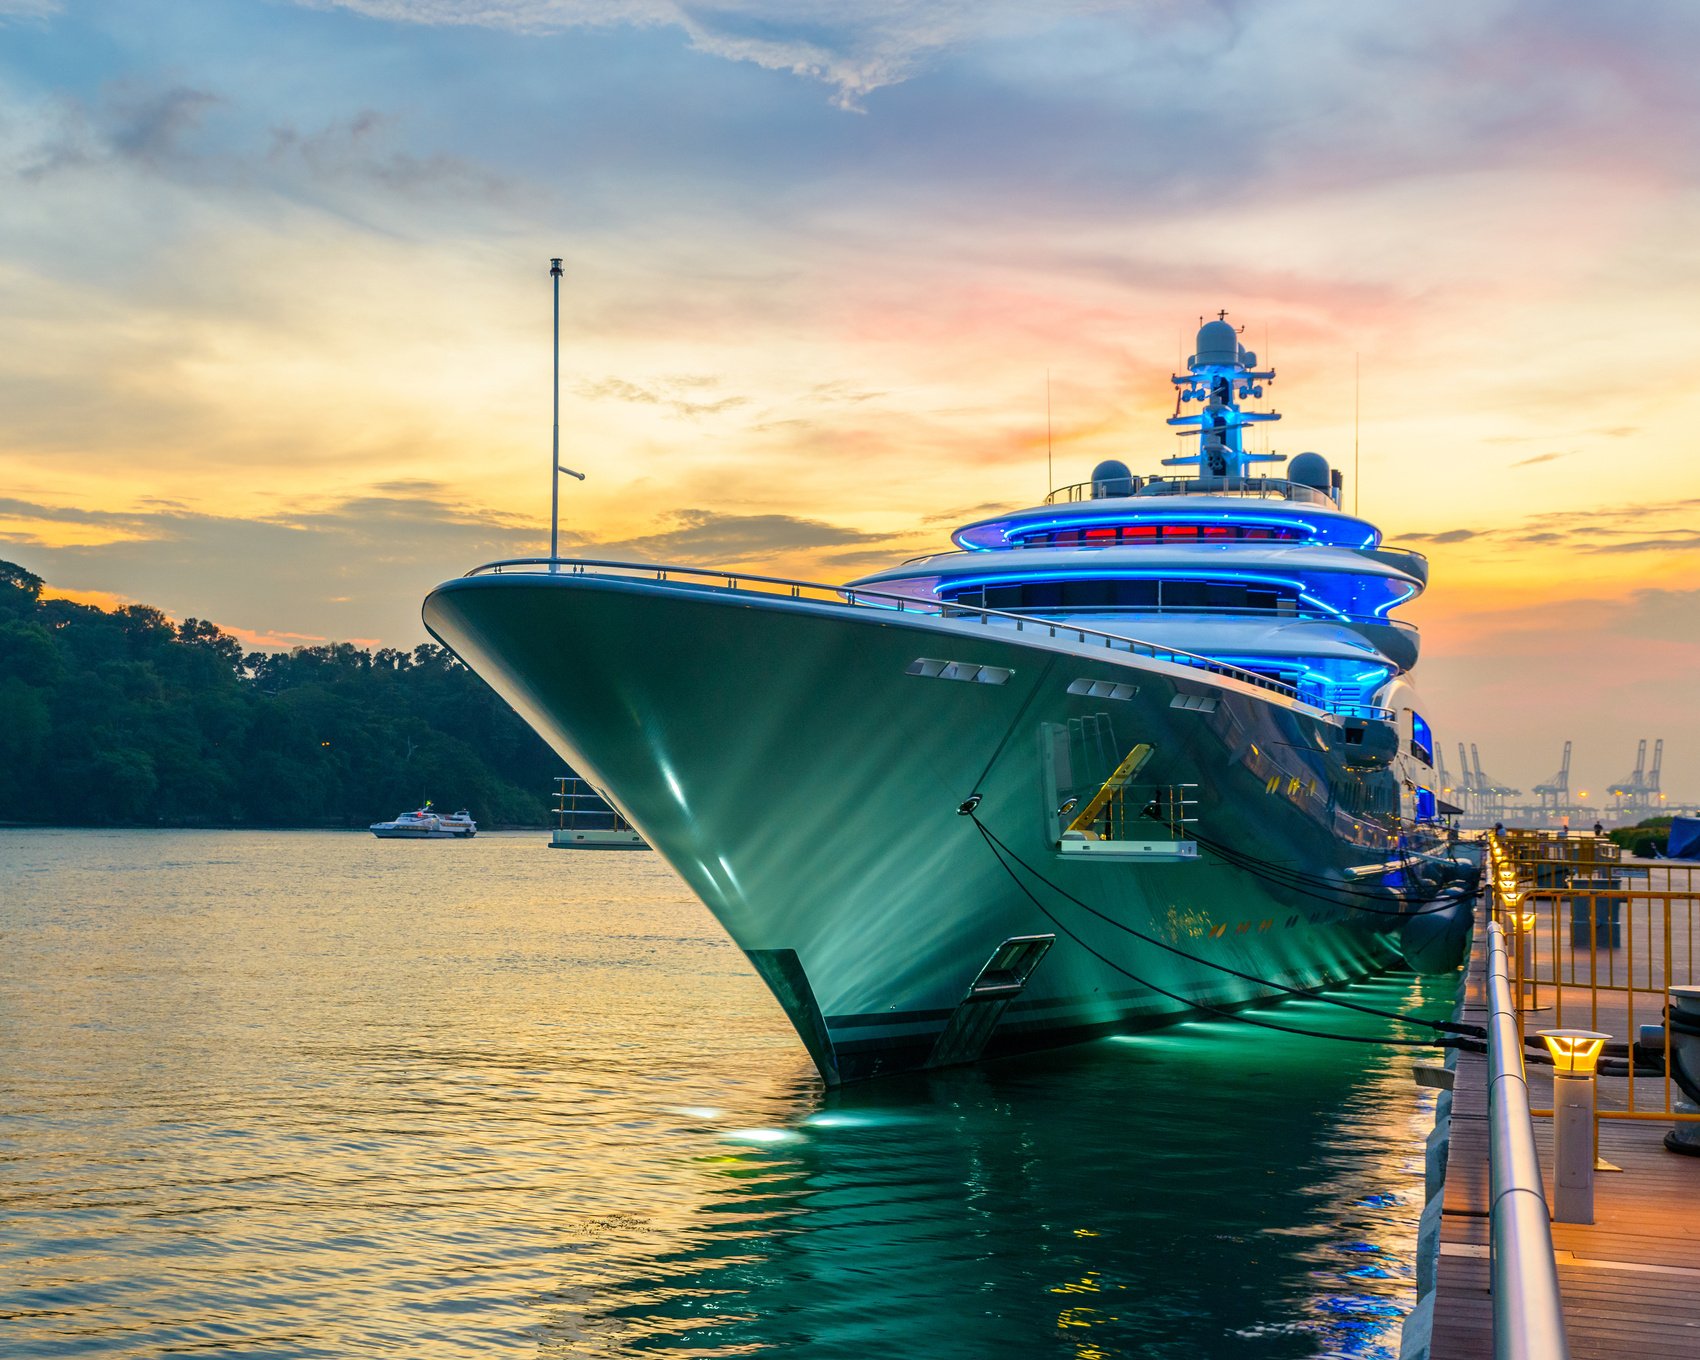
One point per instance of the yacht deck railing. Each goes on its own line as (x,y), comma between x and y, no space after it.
(856,597)
(1258,488)
(961,554)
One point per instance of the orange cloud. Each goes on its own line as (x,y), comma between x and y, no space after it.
(97,599)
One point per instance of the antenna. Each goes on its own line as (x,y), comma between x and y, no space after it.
(555,468)
(555,442)
(1357,392)
(1050,477)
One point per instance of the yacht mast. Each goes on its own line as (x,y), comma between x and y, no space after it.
(1220,376)
(555,442)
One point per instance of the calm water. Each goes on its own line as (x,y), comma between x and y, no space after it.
(299,1094)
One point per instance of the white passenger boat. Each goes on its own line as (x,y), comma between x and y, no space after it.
(426,824)
(1148,748)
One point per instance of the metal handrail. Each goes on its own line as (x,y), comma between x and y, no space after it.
(1262,488)
(909,604)
(1232,544)
(1528,1318)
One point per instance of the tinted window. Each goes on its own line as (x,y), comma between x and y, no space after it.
(1422,740)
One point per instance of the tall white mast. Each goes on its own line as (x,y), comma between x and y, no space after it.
(555,444)
(555,468)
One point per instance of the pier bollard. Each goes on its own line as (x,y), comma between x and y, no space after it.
(1575,1054)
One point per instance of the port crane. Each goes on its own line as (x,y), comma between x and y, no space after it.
(1555,793)
(1640,792)
(1491,793)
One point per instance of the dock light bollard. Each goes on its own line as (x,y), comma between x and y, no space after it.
(1575,1053)
(1526,922)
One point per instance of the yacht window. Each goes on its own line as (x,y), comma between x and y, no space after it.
(1422,740)
(1111,593)
(1100,535)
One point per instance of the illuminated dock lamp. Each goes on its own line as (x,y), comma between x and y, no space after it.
(1510,896)
(1524,919)
(1575,1054)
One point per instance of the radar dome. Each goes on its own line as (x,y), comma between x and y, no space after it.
(1309,469)
(1111,478)
(1217,344)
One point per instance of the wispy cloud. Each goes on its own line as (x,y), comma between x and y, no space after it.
(1444,536)
(361,148)
(1644,527)
(855,48)
(668,393)
(151,127)
(713,538)
(28,9)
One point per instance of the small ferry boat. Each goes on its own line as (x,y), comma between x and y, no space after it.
(426,824)
(585,820)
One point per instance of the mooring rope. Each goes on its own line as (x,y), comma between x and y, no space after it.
(1193,1003)
(1334,894)
(1000,849)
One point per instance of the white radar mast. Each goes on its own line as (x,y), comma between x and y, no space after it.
(1223,373)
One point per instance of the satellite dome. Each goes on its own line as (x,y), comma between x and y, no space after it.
(1309,469)
(1217,343)
(1111,478)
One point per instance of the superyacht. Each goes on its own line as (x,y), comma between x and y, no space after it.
(1146,750)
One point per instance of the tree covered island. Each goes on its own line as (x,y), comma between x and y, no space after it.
(122,717)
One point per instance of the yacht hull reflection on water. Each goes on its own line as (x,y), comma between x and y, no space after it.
(792,765)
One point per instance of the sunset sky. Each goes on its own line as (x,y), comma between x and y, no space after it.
(275,299)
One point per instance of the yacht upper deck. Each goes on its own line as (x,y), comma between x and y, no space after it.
(1208,511)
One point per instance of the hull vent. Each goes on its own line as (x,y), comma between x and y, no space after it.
(1102,689)
(958,670)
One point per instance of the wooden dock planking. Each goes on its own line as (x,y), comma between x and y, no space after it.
(1631,1280)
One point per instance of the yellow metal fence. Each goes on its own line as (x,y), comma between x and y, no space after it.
(1599,940)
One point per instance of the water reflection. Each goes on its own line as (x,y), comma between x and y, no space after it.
(301,1095)
(1187,1194)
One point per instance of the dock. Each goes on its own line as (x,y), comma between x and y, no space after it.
(1629,1283)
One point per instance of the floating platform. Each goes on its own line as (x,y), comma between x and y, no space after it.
(566,838)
